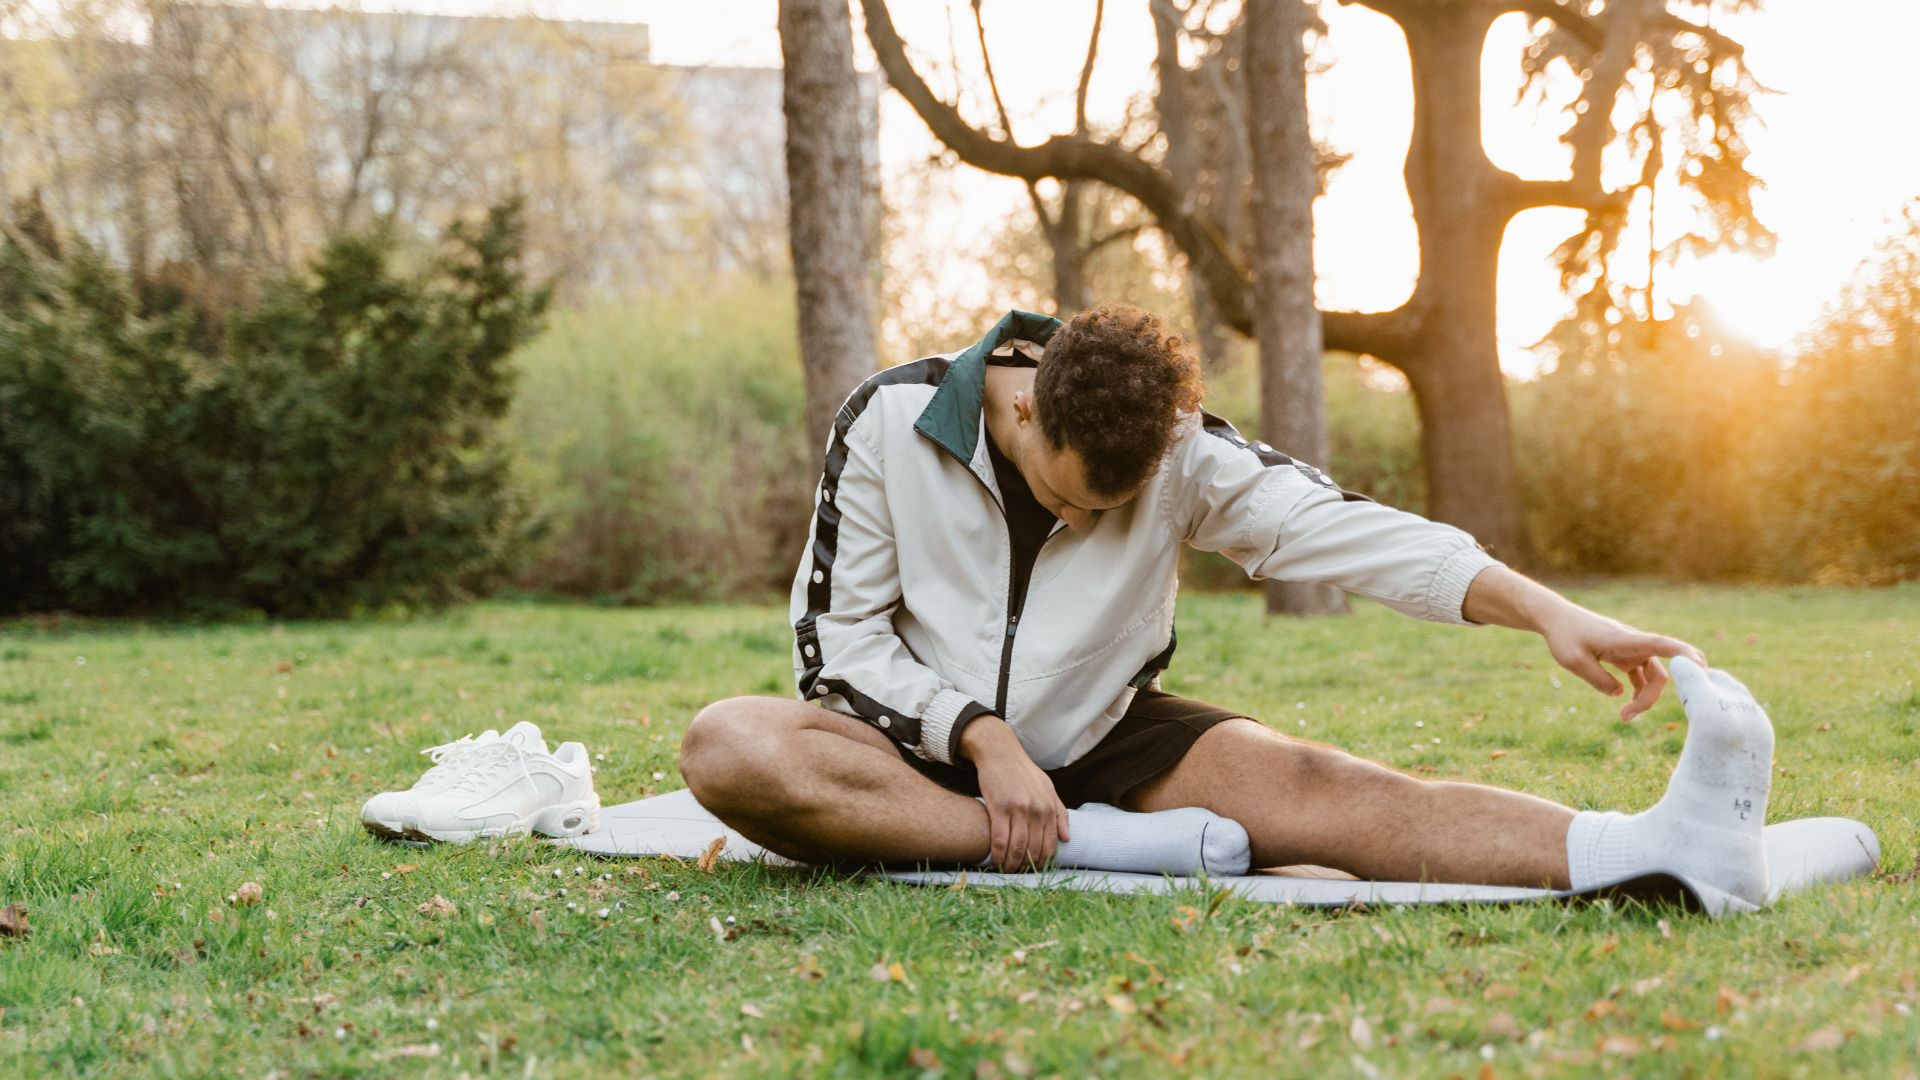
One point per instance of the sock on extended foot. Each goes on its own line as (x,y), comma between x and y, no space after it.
(1708,826)
(1183,842)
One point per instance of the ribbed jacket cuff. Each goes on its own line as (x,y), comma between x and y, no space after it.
(1449,592)
(940,725)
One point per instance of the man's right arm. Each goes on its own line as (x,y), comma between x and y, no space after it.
(1025,816)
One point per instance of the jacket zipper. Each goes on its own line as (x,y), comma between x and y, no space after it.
(1013,616)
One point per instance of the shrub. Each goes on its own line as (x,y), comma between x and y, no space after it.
(336,449)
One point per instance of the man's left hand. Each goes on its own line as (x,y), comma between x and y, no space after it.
(1581,641)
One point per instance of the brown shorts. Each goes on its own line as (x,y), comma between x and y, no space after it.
(1151,738)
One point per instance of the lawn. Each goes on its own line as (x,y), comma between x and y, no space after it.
(148,772)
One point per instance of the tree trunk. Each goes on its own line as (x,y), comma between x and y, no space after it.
(1461,209)
(827,205)
(1286,322)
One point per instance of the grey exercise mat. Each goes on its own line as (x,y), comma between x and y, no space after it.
(1800,855)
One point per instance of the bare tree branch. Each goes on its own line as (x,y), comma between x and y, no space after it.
(1086,69)
(1563,15)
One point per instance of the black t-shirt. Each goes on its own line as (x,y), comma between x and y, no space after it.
(1028,523)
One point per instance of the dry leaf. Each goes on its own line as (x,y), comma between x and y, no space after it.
(1503,1026)
(1730,999)
(924,1059)
(1497,755)
(748,1008)
(248,894)
(1607,946)
(879,973)
(405,868)
(1122,1004)
(100,946)
(13,921)
(418,1050)
(1666,929)
(1496,991)
(896,972)
(712,854)
(1361,1033)
(437,907)
(809,968)
(1602,1009)
(1673,1021)
(1623,1045)
(1648,986)
(1827,1038)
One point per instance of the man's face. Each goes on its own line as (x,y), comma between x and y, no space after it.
(1059,478)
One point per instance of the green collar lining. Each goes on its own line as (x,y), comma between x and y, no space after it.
(952,418)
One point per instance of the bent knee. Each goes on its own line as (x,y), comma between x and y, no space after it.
(723,748)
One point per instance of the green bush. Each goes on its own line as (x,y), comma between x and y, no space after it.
(663,437)
(337,449)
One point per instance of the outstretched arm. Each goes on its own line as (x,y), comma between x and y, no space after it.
(1580,640)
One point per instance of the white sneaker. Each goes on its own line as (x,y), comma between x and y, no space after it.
(385,815)
(508,788)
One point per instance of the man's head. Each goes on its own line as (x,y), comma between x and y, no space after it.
(1106,400)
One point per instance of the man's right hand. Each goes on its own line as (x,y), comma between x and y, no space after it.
(1025,816)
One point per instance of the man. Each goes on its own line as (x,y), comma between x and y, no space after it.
(986,603)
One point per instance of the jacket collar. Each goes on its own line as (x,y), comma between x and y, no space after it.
(952,417)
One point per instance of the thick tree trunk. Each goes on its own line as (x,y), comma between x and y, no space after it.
(1286,323)
(1461,208)
(827,215)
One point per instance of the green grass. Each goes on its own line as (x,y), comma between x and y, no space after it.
(147,772)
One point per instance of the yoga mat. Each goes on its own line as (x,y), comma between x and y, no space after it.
(1800,855)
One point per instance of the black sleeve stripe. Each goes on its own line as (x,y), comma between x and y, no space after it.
(902,726)
(1268,456)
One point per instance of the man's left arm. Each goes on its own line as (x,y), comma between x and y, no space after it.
(1580,640)
(1287,521)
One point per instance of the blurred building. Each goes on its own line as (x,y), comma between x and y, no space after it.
(239,136)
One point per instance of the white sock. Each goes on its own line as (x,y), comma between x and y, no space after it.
(1708,826)
(1184,842)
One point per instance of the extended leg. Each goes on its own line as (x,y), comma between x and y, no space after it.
(1303,802)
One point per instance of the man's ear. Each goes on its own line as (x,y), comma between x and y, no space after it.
(1023,406)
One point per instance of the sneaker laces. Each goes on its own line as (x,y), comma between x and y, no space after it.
(485,762)
(447,757)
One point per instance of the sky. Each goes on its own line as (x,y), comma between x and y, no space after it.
(1836,169)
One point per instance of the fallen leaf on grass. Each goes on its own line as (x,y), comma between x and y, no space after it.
(247,895)
(1497,755)
(437,907)
(1622,1045)
(100,946)
(1602,1009)
(1122,1004)
(925,1059)
(1648,986)
(1496,991)
(748,1008)
(424,1050)
(1503,1026)
(809,968)
(712,854)
(1361,1033)
(1673,1021)
(1729,999)
(405,868)
(1827,1038)
(1607,946)
(13,921)
(1665,928)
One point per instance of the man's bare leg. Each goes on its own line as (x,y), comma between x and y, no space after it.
(817,786)
(1303,802)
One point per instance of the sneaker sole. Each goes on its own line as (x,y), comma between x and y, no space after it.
(560,819)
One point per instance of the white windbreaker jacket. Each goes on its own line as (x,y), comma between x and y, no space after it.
(901,605)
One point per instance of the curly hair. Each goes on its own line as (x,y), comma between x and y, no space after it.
(1111,385)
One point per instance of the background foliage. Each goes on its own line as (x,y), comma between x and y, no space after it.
(335,448)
